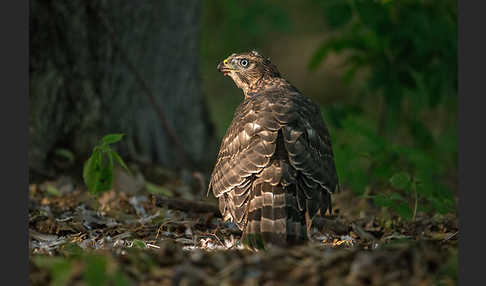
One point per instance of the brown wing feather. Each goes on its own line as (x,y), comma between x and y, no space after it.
(303,166)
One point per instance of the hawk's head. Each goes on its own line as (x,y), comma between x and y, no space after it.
(250,71)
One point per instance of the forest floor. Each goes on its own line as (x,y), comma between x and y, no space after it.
(160,234)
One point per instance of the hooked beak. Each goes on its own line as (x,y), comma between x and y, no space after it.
(224,67)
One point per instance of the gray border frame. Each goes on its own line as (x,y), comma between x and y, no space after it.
(14,28)
(472,144)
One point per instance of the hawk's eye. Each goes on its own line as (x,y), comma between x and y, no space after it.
(244,63)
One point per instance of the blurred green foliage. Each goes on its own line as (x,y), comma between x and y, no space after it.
(400,60)
(94,269)
(404,119)
(449,271)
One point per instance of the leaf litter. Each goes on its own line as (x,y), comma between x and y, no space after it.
(142,238)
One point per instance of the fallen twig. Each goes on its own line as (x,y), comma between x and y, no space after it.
(326,224)
(186,205)
(451,236)
(363,234)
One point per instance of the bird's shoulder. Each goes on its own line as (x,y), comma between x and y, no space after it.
(280,99)
(250,140)
(271,109)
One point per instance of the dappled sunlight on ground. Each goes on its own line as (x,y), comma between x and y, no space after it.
(148,243)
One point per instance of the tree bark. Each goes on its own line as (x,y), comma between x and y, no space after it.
(94,66)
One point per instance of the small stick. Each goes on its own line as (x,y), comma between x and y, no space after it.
(326,224)
(186,205)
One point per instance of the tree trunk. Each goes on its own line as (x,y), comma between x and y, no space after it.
(93,67)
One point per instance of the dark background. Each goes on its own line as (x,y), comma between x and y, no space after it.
(383,72)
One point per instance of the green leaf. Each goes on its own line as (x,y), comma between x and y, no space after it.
(382,200)
(86,169)
(403,210)
(397,197)
(53,191)
(106,177)
(66,154)
(72,250)
(138,243)
(97,177)
(400,181)
(112,138)
(319,56)
(119,160)
(92,171)
(158,190)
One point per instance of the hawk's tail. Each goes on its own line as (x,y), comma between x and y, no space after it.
(273,217)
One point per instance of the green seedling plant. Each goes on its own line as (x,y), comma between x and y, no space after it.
(407,185)
(98,169)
